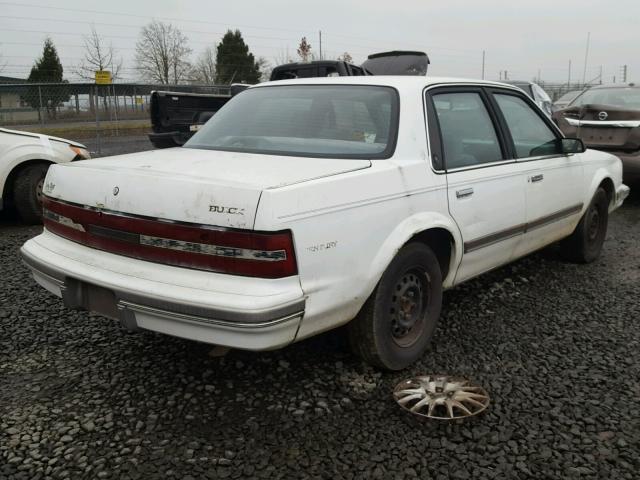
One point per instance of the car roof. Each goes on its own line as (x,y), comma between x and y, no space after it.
(397,81)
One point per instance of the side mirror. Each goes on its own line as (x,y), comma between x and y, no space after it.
(571,145)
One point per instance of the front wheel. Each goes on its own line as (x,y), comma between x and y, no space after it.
(585,243)
(27,192)
(397,322)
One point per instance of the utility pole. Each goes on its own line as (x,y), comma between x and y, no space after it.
(320,37)
(586,58)
(569,77)
(483,64)
(506,77)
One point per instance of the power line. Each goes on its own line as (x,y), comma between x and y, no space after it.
(11,17)
(205,22)
(175,19)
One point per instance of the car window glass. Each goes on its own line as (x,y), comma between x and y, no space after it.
(532,137)
(342,121)
(468,135)
(625,97)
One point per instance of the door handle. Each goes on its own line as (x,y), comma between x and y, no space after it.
(537,178)
(465,192)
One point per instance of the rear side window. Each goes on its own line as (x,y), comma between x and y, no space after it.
(532,137)
(468,135)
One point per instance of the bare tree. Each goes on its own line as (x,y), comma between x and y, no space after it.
(98,56)
(282,57)
(204,70)
(162,53)
(265,69)
(346,57)
(304,50)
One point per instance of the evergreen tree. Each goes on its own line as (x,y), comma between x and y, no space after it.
(234,62)
(47,69)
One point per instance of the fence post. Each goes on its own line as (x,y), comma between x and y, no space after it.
(40,106)
(115,109)
(97,119)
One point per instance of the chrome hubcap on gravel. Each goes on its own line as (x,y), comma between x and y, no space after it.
(408,302)
(441,397)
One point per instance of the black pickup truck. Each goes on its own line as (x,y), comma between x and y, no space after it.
(176,116)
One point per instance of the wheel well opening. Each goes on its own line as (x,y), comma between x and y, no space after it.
(442,244)
(608,187)
(7,193)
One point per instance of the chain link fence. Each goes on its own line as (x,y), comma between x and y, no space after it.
(556,90)
(84,111)
(95,114)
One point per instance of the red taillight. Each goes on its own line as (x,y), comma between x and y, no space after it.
(237,252)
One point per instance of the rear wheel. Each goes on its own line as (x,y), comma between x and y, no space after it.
(585,243)
(27,192)
(397,322)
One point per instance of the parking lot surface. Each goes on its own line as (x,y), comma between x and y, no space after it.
(106,146)
(556,345)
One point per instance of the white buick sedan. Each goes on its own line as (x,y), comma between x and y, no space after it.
(308,204)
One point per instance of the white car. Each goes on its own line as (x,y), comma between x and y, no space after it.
(304,205)
(24,160)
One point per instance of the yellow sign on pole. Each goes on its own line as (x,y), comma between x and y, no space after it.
(103,77)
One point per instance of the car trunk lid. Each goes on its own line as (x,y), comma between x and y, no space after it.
(606,126)
(187,185)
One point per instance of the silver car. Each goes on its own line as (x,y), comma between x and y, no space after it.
(536,92)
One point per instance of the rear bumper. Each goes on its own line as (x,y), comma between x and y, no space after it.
(268,321)
(621,194)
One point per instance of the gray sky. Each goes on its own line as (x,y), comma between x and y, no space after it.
(521,37)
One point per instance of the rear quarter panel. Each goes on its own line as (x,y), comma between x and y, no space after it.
(347,228)
(598,166)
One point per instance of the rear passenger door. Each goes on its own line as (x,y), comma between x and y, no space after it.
(485,186)
(554,182)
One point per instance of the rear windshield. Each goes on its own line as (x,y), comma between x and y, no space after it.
(624,97)
(330,121)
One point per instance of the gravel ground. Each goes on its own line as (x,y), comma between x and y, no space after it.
(556,345)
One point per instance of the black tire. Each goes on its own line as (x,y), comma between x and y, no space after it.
(585,243)
(393,330)
(27,192)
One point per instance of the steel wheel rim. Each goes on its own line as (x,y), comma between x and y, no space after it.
(441,397)
(409,300)
(593,227)
(39,188)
